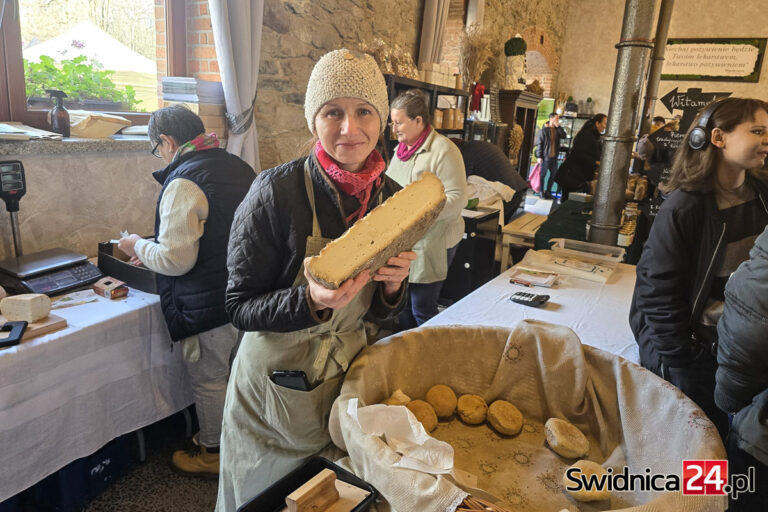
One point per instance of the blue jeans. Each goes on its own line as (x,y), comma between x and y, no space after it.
(548,170)
(422,299)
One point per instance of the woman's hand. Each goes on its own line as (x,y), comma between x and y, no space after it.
(321,297)
(395,273)
(127,244)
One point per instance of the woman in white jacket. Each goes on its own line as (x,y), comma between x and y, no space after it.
(422,149)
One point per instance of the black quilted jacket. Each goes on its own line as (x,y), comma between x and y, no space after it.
(267,245)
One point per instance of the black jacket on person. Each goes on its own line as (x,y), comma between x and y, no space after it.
(194,302)
(675,274)
(580,164)
(742,356)
(489,162)
(544,141)
(268,242)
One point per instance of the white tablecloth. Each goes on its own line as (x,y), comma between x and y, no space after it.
(598,313)
(66,394)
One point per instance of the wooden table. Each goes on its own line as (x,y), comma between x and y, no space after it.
(521,231)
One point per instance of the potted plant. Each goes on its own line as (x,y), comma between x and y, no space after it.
(571,108)
(514,64)
(85,84)
(590,106)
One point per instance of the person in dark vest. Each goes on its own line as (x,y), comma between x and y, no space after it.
(202,187)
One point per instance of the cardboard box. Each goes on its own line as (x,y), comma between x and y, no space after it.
(110,288)
(115,263)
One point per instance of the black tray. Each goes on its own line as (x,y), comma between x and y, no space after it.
(140,278)
(273,498)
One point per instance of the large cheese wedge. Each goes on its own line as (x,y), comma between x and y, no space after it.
(29,307)
(389,229)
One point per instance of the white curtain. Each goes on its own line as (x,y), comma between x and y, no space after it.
(432,30)
(237,34)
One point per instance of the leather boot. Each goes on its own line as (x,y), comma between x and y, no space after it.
(198,461)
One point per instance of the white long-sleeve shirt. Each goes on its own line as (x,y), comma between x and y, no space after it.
(183,212)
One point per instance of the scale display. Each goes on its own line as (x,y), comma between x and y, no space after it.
(13,184)
(11,177)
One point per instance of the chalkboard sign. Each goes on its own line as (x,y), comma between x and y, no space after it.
(665,143)
(726,60)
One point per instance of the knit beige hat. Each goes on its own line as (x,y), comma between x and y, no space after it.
(345,74)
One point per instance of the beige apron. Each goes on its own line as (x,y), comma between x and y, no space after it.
(269,429)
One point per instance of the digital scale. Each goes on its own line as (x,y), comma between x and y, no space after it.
(53,271)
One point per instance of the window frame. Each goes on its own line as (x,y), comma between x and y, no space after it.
(13,97)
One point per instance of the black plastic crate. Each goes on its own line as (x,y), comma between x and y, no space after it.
(74,485)
(273,498)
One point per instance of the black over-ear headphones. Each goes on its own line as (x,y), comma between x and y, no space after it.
(699,136)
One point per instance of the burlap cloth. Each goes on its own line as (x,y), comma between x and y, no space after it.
(631,417)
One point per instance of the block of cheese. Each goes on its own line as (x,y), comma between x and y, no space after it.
(29,307)
(389,229)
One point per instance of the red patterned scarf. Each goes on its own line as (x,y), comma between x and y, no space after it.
(405,154)
(357,184)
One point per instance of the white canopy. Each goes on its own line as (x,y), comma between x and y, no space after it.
(87,39)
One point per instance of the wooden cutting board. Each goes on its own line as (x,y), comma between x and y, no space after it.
(48,324)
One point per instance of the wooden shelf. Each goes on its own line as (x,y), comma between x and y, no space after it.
(394,80)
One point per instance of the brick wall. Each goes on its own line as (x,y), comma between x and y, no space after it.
(201,52)
(541,58)
(161,46)
(453,28)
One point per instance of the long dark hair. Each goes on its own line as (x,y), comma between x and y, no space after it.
(694,169)
(597,118)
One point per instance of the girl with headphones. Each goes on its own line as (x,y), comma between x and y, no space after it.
(703,231)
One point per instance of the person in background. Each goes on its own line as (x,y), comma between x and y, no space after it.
(741,382)
(293,322)
(202,187)
(422,149)
(582,161)
(644,146)
(701,234)
(489,162)
(548,141)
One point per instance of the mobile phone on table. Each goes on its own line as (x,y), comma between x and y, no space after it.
(291,379)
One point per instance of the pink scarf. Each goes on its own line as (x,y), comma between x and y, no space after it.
(405,154)
(357,184)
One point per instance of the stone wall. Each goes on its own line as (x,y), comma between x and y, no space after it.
(118,193)
(296,34)
(533,20)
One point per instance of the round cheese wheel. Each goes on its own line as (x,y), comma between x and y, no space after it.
(587,468)
(565,439)
(442,399)
(505,418)
(424,413)
(472,409)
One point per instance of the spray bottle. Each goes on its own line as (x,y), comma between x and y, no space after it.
(59,114)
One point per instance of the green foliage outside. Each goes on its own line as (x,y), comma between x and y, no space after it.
(79,78)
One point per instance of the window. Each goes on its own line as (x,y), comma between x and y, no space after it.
(107,55)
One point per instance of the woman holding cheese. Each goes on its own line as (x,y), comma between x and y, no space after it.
(422,149)
(293,324)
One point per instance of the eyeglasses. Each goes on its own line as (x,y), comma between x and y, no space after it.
(395,124)
(154,149)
